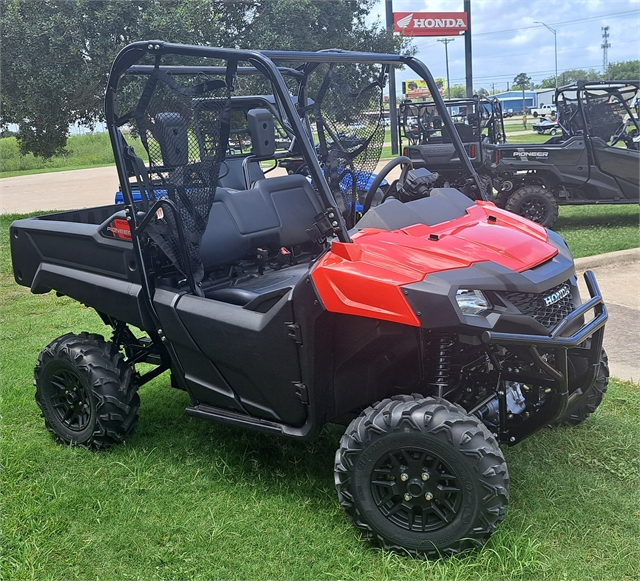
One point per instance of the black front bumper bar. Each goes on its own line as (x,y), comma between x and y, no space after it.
(555,376)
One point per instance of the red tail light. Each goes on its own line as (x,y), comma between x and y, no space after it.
(497,156)
(405,151)
(472,151)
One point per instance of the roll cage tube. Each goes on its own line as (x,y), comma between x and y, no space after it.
(340,56)
(264,62)
(422,70)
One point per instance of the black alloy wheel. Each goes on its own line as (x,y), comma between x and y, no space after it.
(421,476)
(86,391)
(534,203)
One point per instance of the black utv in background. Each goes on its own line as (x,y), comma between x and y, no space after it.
(427,142)
(596,160)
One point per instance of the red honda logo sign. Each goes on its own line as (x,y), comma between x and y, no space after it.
(430,23)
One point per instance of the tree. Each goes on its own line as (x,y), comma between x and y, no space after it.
(56,54)
(522,81)
(56,57)
(458,91)
(623,71)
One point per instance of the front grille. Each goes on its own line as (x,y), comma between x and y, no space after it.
(533,305)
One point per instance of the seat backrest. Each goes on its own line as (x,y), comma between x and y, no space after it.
(464,131)
(261,127)
(276,212)
(232,174)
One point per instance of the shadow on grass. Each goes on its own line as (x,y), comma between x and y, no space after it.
(594,217)
(233,454)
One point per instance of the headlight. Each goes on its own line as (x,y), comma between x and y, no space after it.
(472,302)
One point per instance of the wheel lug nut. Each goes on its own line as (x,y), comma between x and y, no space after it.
(428,496)
(407,496)
(404,477)
(425,476)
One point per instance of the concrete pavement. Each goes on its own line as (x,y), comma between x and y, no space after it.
(618,276)
(63,190)
(618,273)
(71,190)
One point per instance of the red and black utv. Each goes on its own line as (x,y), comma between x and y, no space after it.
(433,326)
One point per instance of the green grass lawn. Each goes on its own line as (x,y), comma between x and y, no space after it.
(94,150)
(84,151)
(590,230)
(188,499)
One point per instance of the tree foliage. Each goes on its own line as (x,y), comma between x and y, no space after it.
(457,92)
(623,71)
(620,71)
(56,54)
(521,81)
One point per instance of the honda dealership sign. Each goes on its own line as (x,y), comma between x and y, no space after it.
(430,23)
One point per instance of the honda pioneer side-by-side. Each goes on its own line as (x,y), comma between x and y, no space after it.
(427,142)
(434,327)
(596,159)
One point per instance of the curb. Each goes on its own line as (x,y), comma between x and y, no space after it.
(608,259)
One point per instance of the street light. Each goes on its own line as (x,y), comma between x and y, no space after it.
(555,45)
(446,42)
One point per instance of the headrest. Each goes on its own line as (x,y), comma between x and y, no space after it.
(263,132)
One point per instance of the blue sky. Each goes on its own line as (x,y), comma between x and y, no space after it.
(507,41)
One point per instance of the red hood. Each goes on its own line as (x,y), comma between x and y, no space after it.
(364,278)
(509,241)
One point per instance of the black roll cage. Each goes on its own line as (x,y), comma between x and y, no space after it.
(479,101)
(582,89)
(260,62)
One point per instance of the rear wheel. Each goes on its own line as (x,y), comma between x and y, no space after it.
(535,203)
(420,476)
(86,391)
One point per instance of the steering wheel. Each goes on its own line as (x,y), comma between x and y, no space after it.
(384,172)
(619,134)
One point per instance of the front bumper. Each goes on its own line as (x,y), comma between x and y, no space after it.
(554,377)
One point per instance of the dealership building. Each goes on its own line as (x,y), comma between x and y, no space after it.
(512,100)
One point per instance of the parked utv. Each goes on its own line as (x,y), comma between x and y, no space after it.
(478,122)
(434,328)
(596,160)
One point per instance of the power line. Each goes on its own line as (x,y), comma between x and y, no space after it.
(591,18)
(545,51)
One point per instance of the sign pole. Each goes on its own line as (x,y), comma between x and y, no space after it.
(393,111)
(467,50)
(446,42)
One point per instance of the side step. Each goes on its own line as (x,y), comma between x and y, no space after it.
(227,417)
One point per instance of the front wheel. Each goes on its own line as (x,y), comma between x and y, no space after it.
(585,398)
(87,393)
(420,476)
(535,203)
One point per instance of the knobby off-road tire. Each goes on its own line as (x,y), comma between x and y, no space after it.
(421,476)
(487,185)
(535,203)
(588,399)
(87,393)
(501,198)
